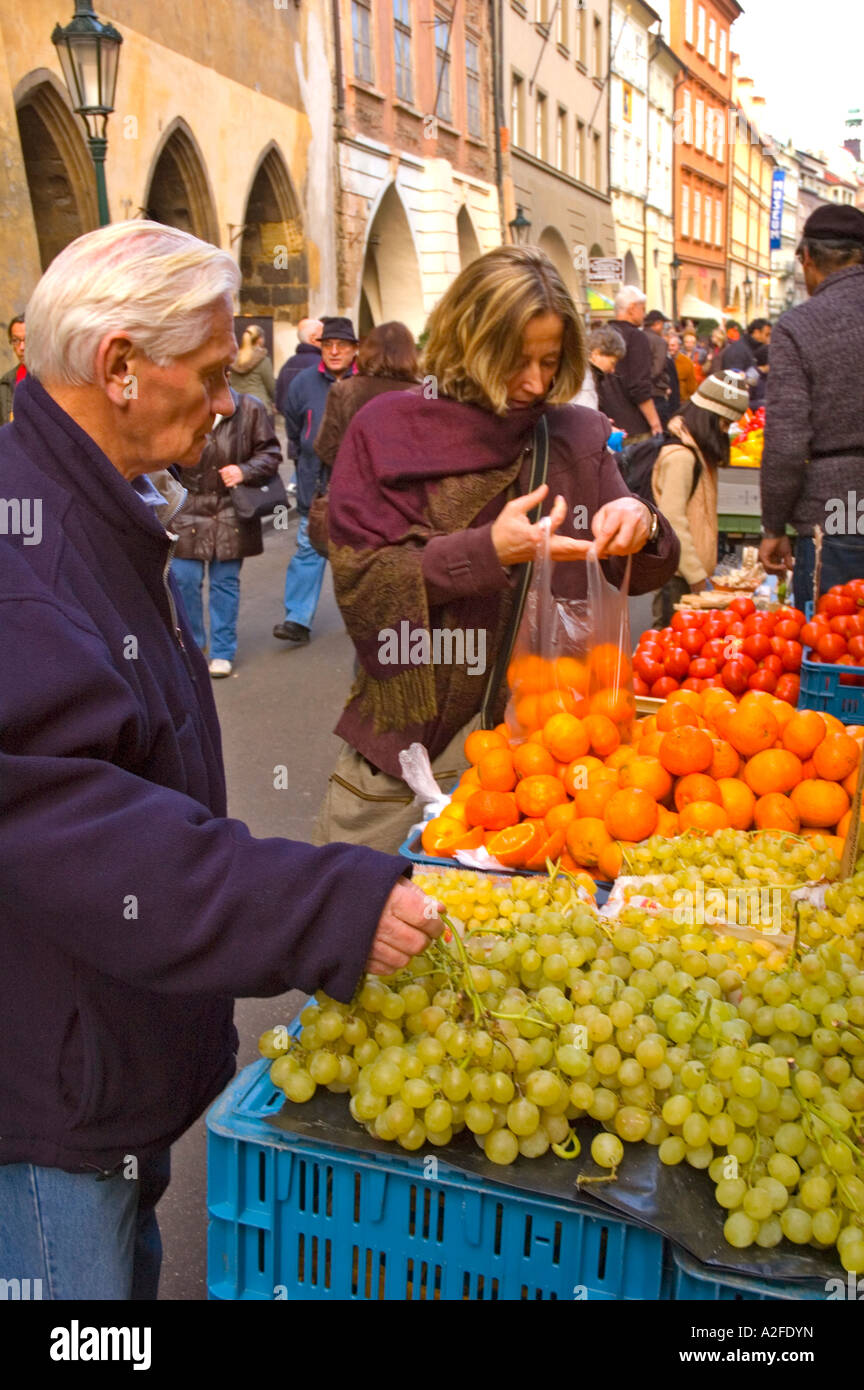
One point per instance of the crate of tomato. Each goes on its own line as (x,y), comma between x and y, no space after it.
(738,648)
(832,672)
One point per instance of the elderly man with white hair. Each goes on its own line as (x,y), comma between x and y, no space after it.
(134,908)
(626,393)
(308,354)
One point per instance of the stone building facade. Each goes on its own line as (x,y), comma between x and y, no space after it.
(752,165)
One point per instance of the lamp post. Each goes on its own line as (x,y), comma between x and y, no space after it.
(89,51)
(748,292)
(519,227)
(675,267)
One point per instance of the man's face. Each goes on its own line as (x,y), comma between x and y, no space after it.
(762,335)
(17,337)
(635,313)
(174,407)
(604,362)
(337,355)
(689,342)
(674,343)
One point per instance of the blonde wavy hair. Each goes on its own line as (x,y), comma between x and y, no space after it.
(475,330)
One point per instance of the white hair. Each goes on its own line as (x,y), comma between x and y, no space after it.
(307,328)
(156,284)
(627,295)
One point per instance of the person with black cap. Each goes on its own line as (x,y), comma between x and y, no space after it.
(304,409)
(814,426)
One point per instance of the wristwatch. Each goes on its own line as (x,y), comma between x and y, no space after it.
(655,525)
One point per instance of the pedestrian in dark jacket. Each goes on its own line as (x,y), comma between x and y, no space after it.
(307,397)
(626,394)
(211,537)
(814,423)
(9,380)
(759,341)
(386,361)
(134,910)
(661,369)
(308,354)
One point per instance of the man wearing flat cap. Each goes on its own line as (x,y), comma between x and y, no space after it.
(814,427)
(304,409)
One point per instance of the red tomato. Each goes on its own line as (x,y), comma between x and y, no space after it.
(856,648)
(812,631)
(677,663)
(735,676)
(836,604)
(831,647)
(692,683)
(737,629)
(787,629)
(681,621)
(788,688)
(640,687)
(851,680)
(742,607)
(746,661)
(660,689)
(757,646)
(759,622)
(693,640)
(793,615)
(666,634)
(791,656)
(702,669)
(841,625)
(855,626)
(772,663)
(763,680)
(715,625)
(714,649)
(650,638)
(648,667)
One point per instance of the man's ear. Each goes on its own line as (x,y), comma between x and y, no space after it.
(115,370)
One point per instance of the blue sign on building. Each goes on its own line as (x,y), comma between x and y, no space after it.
(778,189)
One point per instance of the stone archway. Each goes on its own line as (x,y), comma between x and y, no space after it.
(631,271)
(398,292)
(178,190)
(552,242)
(60,173)
(715,298)
(273,257)
(469,246)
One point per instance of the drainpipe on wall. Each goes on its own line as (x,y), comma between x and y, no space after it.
(339,85)
(497,34)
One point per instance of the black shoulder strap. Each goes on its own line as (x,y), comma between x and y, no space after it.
(539,471)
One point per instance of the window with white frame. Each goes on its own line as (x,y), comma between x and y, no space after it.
(361,33)
(561,23)
(699,134)
(517,110)
(687,132)
(561,140)
(598,161)
(579,151)
(721,64)
(700,30)
(712,42)
(444,106)
(597,55)
(579,34)
(718,222)
(402,49)
(709,132)
(688,20)
(540,126)
(685,209)
(472,87)
(697,215)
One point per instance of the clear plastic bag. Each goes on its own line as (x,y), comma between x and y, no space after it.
(572,655)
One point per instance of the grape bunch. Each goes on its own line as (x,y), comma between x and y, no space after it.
(537,1012)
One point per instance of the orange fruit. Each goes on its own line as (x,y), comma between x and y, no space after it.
(696,786)
(610,860)
(603,734)
(752,728)
(470,779)
(608,665)
(819,803)
(529,675)
(455,810)
(685,749)
(549,849)
(774,770)
(737,801)
(704,815)
(850,783)
(808,769)
(648,774)
(516,844)
(570,674)
(503,730)
(536,795)
(593,799)
(480,741)
(562,814)
(462,792)
(618,705)
(631,814)
(586,839)
(577,773)
(648,725)
(783,712)
(836,756)
(649,744)
(685,697)
(844,822)
(673,715)
(531,759)
(834,725)
(439,835)
(527,711)
(565,737)
(712,700)
(774,811)
(558,702)
(726,761)
(496,771)
(668,824)
(492,810)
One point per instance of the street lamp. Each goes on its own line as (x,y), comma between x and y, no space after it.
(89,51)
(748,291)
(519,227)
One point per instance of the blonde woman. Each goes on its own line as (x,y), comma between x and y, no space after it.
(430,524)
(252,372)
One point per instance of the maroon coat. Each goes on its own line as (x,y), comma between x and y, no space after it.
(207,525)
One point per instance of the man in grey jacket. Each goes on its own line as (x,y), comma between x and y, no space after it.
(813,462)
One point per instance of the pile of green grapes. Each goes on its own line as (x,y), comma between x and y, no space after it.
(541,1013)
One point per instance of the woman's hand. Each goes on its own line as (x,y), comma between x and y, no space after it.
(621,527)
(515,538)
(231,475)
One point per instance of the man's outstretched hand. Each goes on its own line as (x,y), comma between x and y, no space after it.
(410,920)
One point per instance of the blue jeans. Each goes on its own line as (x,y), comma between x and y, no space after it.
(83,1237)
(842,559)
(224,602)
(304,579)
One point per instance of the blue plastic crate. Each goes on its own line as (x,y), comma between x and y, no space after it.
(687,1278)
(821,689)
(300,1220)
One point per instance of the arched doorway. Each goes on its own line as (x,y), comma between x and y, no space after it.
(273,259)
(716,299)
(398,292)
(631,271)
(60,173)
(469,246)
(552,242)
(178,191)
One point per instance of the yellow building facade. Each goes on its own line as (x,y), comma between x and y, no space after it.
(751,174)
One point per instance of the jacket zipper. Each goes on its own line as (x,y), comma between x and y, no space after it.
(172,539)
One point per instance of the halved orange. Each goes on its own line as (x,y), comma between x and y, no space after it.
(517,844)
(550,849)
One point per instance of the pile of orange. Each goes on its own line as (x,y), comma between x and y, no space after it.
(582,786)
